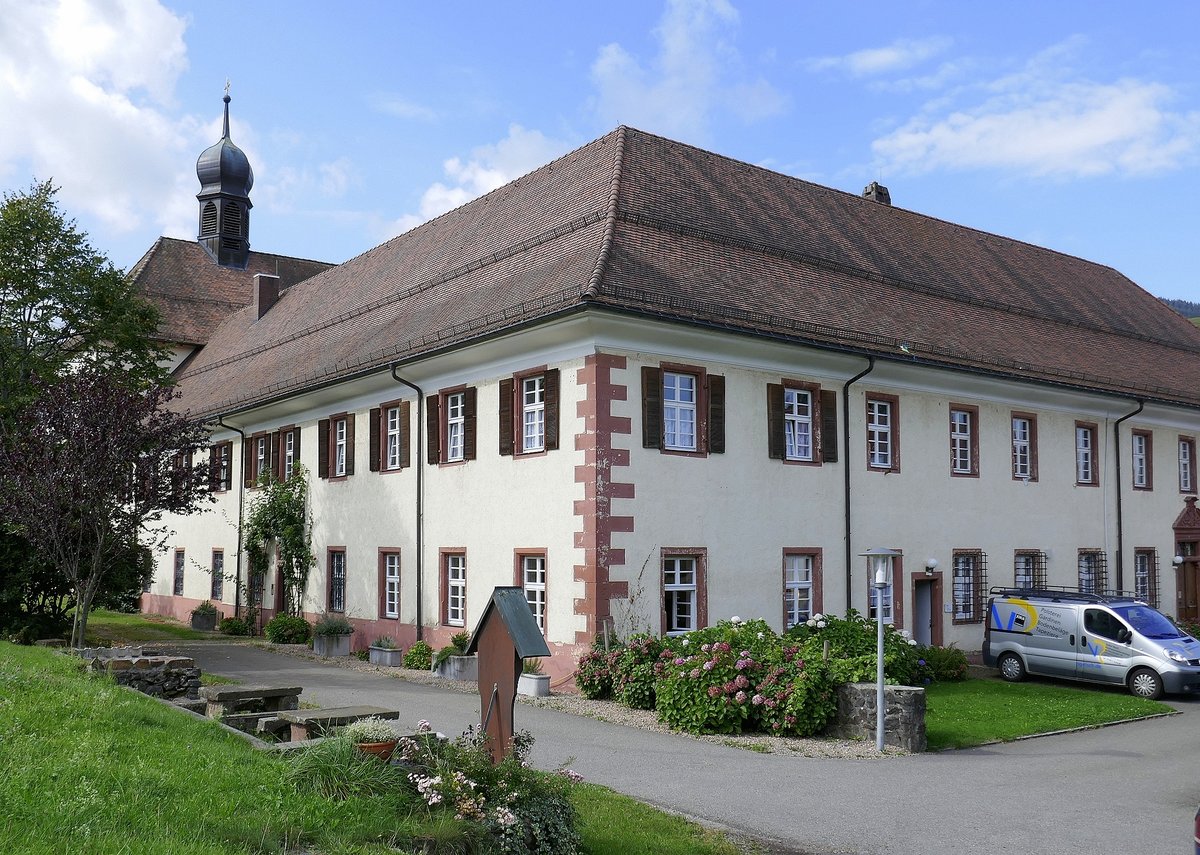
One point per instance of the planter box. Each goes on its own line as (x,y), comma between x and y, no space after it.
(534,685)
(391,657)
(205,623)
(459,668)
(331,645)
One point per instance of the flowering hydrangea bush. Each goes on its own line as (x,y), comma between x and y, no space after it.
(596,673)
(795,697)
(636,676)
(852,642)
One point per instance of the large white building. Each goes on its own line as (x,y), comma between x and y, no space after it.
(657,387)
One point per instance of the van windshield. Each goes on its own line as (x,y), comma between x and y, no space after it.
(1148,621)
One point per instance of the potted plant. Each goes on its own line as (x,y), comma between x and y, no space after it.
(532,681)
(452,662)
(385,651)
(331,636)
(372,735)
(204,617)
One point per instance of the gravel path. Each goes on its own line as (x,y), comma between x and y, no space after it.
(612,712)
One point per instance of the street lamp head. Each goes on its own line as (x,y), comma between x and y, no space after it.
(930,565)
(1177,560)
(881,564)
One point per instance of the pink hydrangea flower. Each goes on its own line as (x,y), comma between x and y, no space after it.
(713,691)
(679,660)
(741,682)
(695,673)
(705,647)
(423,726)
(708,666)
(757,700)
(740,697)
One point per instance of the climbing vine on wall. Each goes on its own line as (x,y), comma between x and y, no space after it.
(279,515)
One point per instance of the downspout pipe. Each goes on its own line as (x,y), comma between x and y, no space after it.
(237,585)
(846,470)
(1141,404)
(420,464)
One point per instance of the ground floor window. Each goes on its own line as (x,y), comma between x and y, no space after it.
(533,581)
(1145,575)
(1093,571)
(1029,569)
(391,584)
(682,593)
(455,571)
(337,580)
(179,562)
(218,574)
(798,574)
(970,584)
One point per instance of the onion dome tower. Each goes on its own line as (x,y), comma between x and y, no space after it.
(225,181)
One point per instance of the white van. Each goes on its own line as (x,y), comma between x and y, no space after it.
(1105,639)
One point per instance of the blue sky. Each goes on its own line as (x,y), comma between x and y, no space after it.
(1073,125)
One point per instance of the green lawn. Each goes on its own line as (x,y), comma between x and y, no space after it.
(107,628)
(959,715)
(123,773)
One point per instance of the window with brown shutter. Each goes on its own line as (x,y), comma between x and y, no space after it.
(452,426)
(683,410)
(794,422)
(528,412)
(389,436)
(338,445)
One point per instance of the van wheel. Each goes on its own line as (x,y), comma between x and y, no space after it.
(1011,667)
(1145,683)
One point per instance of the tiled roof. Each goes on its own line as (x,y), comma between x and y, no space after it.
(194,294)
(643,224)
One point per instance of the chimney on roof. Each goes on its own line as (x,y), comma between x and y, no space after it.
(266,292)
(876,192)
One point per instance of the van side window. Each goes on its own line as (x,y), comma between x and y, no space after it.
(1099,622)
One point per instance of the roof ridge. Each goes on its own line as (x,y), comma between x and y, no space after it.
(610,224)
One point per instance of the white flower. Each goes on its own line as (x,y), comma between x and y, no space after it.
(912,642)
(818,616)
(760,635)
(820,624)
(811,621)
(685,642)
(735,619)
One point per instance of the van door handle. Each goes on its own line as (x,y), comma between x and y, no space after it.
(1072,641)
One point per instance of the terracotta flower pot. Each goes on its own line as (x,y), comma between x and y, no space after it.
(382,750)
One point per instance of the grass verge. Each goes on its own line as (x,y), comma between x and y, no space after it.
(120,628)
(976,711)
(124,773)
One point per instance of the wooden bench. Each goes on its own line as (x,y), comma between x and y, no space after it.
(307,723)
(226,700)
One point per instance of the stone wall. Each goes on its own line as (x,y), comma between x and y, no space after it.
(159,676)
(904,715)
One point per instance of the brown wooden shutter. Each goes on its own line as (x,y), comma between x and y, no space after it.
(247,464)
(652,409)
(716,413)
(405,435)
(275,455)
(433,430)
(375,423)
(551,385)
(776,444)
(829,426)
(214,468)
(323,448)
(505,416)
(469,423)
(351,418)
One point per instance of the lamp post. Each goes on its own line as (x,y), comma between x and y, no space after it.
(881,569)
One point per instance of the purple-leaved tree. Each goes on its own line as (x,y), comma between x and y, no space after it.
(89,468)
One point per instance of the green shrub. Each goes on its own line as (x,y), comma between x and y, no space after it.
(205,608)
(596,672)
(419,656)
(287,629)
(457,647)
(332,625)
(636,676)
(943,664)
(386,642)
(234,626)
(852,641)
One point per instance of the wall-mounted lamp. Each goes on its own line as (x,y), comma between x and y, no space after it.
(1177,560)
(930,565)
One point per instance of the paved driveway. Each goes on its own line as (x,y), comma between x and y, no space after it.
(1130,789)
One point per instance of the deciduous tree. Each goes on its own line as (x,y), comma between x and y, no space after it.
(90,467)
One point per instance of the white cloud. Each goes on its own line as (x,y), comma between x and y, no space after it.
(85,90)
(1046,121)
(395,105)
(898,56)
(488,167)
(695,72)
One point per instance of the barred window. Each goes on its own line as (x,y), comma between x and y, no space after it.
(337,581)
(1093,571)
(970,583)
(1145,575)
(1029,569)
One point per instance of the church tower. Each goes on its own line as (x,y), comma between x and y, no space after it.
(225,181)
